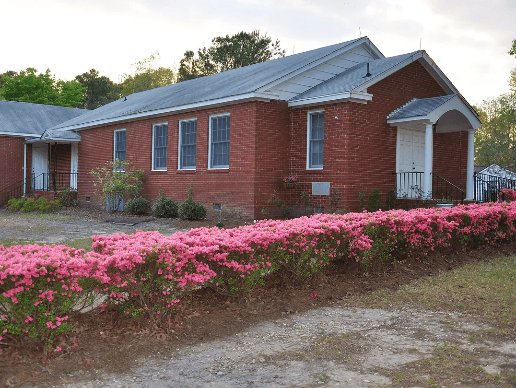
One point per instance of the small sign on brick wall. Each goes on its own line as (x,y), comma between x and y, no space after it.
(320,188)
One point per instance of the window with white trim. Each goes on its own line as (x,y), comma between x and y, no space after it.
(119,145)
(187,144)
(219,142)
(315,140)
(159,146)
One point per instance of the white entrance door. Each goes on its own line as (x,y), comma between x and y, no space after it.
(74,166)
(40,166)
(410,163)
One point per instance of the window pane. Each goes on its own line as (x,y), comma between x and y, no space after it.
(160,147)
(316,140)
(188,137)
(120,145)
(220,142)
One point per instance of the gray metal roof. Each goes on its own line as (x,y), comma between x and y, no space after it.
(227,84)
(419,107)
(23,118)
(353,78)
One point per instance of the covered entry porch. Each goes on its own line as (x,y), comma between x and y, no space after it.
(54,162)
(418,122)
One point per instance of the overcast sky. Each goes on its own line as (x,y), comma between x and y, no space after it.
(468,39)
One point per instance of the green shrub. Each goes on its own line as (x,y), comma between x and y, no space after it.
(375,203)
(68,197)
(29,205)
(15,204)
(191,210)
(165,207)
(138,206)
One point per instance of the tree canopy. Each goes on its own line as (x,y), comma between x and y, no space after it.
(99,91)
(146,76)
(43,88)
(229,52)
(512,51)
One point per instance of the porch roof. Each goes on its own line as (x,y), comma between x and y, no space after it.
(31,120)
(449,113)
(57,136)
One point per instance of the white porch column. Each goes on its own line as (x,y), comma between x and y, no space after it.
(470,194)
(429,159)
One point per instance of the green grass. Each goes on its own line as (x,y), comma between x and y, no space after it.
(485,289)
(40,216)
(79,243)
(9,242)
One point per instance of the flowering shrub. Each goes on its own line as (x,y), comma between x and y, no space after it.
(290,179)
(508,194)
(39,286)
(147,274)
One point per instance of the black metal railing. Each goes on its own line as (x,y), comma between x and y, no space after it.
(445,191)
(13,191)
(487,187)
(53,181)
(410,185)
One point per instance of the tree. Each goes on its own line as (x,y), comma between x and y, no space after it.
(146,76)
(512,51)
(100,90)
(43,88)
(229,52)
(8,74)
(495,140)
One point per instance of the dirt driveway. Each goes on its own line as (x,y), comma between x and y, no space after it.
(294,336)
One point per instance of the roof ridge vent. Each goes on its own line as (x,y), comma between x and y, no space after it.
(400,108)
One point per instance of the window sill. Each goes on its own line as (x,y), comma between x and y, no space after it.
(158,170)
(218,170)
(185,171)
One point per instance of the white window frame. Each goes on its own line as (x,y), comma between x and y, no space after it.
(308,139)
(210,167)
(153,135)
(114,145)
(179,153)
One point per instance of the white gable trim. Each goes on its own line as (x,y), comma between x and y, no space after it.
(365,42)
(388,72)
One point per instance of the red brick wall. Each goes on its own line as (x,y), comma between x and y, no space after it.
(234,188)
(360,147)
(11,160)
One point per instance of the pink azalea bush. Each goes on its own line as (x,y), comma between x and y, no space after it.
(148,274)
(39,285)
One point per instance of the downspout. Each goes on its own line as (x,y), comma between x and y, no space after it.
(24,169)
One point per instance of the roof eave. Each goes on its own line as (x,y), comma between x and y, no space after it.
(18,134)
(254,96)
(360,97)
